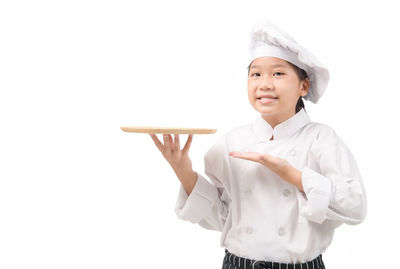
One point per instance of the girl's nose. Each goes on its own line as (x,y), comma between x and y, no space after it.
(266,83)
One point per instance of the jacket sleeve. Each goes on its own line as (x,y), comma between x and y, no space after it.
(332,183)
(208,203)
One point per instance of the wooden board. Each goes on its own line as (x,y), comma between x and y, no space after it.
(166,130)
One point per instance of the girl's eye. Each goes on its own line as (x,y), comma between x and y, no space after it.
(280,73)
(255,74)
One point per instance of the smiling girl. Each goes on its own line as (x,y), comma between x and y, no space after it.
(281,184)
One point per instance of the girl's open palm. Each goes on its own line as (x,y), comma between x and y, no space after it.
(171,150)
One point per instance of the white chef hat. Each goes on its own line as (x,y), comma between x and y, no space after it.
(267,39)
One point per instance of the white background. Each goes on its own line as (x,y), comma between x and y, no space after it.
(77,192)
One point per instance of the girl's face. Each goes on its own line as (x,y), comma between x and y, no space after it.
(274,88)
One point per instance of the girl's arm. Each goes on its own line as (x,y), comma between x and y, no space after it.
(332,183)
(199,201)
(208,203)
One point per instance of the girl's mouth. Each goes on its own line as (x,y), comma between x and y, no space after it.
(266,100)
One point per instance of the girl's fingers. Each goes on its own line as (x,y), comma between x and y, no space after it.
(170,142)
(188,143)
(251,156)
(177,145)
(158,143)
(166,141)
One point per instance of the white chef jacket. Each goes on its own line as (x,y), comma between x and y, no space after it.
(260,215)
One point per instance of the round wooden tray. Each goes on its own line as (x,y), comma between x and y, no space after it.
(167,130)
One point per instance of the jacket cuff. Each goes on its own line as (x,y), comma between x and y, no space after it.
(318,190)
(199,203)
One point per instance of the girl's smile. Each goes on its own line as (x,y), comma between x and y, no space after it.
(266,99)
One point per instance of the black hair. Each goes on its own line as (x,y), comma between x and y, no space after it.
(302,75)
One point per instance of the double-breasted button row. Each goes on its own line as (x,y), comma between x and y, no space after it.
(249,230)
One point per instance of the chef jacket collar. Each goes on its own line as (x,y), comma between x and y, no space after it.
(263,130)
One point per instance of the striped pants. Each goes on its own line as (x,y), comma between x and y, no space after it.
(232,261)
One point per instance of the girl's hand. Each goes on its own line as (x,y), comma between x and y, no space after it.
(280,166)
(276,164)
(177,158)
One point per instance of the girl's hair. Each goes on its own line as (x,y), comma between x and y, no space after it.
(302,76)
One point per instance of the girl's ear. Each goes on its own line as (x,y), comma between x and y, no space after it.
(305,87)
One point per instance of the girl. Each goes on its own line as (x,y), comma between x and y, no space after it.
(282,184)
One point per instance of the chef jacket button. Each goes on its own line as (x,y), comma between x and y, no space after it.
(292,152)
(281,231)
(286,192)
(249,230)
